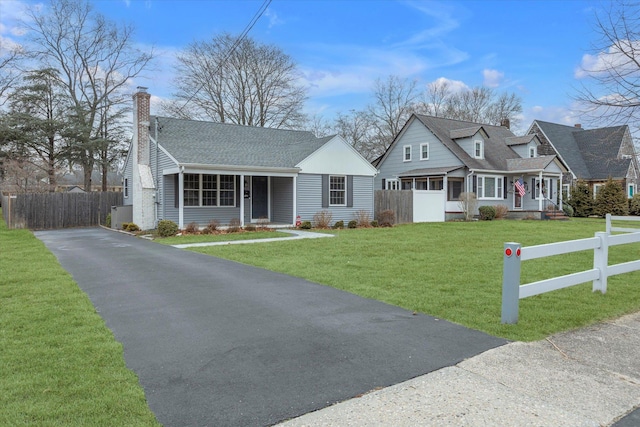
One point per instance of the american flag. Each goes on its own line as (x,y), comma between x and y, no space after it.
(520,187)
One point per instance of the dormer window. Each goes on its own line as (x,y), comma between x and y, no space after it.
(478,149)
(533,152)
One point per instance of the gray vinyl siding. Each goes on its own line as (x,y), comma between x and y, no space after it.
(169,210)
(202,215)
(128,176)
(282,200)
(416,134)
(309,194)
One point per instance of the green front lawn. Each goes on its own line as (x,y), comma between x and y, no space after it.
(453,271)
(59,364)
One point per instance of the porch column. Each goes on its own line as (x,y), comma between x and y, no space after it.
(181,199)
(540,196)
(295,199)
(560,197)
(241,200)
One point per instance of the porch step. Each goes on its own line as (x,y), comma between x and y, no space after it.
(556,215)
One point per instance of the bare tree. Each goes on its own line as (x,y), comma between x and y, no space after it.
(357,129)
(394,101)
(231,79)
(436,97)
(96,60)
(612,89)
(9,71)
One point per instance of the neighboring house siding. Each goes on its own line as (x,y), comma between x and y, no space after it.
(416,134)
(282,200)
(309,194)
(545,148)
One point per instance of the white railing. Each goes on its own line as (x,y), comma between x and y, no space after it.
(611,229)
(514,254)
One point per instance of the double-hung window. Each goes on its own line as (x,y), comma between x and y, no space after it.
(407,153)
(424,151)
(209,190)
(490,187)
(337,190)
(478,149)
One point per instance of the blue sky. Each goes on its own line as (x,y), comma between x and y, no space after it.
(531,48)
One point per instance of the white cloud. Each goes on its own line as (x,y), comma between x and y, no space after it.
(454,86)
(274,20)
(492,78)
(621,58)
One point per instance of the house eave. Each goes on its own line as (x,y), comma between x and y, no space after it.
(238,168)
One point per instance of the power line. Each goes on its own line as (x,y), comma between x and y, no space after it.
(240,39)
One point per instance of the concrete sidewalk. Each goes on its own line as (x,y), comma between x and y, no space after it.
(295,234)
(587,377)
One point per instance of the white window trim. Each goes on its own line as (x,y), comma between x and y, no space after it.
(533,152)
(596,188)
(567,189)
(499,190)
(392,184)
(631,190)
(477,143)
(425,144)
(546,186)
(218,191)
(126,188)
(344,177)
(404,153)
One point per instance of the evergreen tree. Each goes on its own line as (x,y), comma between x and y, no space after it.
(581,199)
(611,199)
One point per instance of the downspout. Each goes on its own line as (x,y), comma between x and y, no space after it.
(242,200)
(470,182)
(181,198)
(157,201)
(540,195)
(561,195)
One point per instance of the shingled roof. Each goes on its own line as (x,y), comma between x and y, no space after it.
(222,144)
(496,151)
(590,154)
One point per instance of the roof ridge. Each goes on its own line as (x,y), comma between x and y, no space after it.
(230,124)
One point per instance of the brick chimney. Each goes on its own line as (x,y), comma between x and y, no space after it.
(143,186)
(577,125)
(505,123)
(141,119)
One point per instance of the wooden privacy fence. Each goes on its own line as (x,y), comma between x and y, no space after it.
(399,201)
(40,211)
(514,254)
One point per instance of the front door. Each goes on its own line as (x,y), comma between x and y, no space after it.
(259,197)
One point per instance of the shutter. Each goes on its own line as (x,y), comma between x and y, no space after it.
(533,188)
(237,192)
(325,191)
(550,189)
(349,191)
(384,184)
(475,185)
(504,187)
(176,191)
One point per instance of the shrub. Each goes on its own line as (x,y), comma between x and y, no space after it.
(234,225)
(634,205)
(501,211)
(322,219)
(581,199)
(211,227)
(468,203)
(487,213)
(107,221)
(612,199)
(192,228)
(363,218)
(386,218)
(305,225)
(352,224)
(262,223)
(131,227)
(568,210)
(167,228)
(338,224)
(250,227)
(374,223)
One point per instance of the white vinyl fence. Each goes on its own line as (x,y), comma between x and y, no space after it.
(514,254)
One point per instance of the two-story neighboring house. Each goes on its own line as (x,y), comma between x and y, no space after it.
(449,157)
(592,155)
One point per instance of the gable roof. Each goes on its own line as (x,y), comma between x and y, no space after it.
(590,154)
(496,151)
(210,143)
(519,140)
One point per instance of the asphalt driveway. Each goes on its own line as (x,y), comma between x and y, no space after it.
(218,343)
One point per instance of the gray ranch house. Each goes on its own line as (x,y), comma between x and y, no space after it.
(195,171)
(438,159)
(592,155)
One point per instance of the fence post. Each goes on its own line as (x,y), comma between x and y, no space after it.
(601,260)
(608,226)
(511,282)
